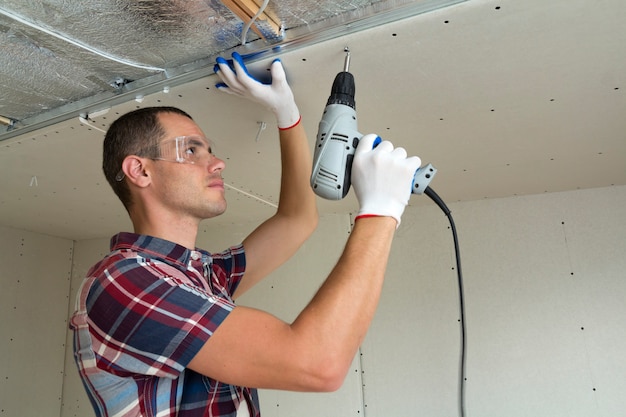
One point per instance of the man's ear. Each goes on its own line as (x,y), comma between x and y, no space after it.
(134,169)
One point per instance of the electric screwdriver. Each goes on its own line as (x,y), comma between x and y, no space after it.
(337,139)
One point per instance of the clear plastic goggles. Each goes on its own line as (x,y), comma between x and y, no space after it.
(183,149)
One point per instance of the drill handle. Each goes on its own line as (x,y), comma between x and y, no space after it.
(422,178)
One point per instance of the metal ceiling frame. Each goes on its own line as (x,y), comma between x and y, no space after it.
(374,15)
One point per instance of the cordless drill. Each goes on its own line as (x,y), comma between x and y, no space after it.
(337,139)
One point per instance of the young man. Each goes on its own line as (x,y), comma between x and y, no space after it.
(156,329)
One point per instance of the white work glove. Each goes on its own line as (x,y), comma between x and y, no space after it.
(276,96)
(382,178)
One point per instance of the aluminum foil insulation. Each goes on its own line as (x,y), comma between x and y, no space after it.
(55,52)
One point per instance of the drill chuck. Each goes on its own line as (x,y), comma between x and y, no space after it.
(343,90)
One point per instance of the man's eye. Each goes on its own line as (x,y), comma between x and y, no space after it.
(191,150)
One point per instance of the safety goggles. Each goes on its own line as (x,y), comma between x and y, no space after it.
(192,149)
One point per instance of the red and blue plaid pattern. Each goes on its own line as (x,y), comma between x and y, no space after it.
(142,314)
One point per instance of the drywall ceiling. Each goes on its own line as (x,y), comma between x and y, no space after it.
(504,97)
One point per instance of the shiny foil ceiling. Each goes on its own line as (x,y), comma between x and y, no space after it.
(55,53)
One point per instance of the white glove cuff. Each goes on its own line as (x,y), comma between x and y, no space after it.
(287,117)
(386,209)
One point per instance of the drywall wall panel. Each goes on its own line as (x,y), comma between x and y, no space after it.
(35,279)
(411,350)
(544,289)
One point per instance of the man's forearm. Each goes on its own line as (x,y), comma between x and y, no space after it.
(279,237)
(339,315)
(296,196)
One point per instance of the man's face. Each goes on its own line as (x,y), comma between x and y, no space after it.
(193,186)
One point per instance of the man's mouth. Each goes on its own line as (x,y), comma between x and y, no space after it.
(216,184)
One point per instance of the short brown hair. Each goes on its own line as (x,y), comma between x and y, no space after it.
(136,133)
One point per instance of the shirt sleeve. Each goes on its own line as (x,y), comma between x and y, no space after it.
(228,269)
(145,320)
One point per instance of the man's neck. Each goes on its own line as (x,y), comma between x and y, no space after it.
(177,230)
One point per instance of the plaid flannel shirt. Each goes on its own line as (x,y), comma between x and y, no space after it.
(142,314)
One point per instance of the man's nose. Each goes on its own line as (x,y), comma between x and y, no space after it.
(216,164)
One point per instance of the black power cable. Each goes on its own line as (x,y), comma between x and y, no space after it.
(433,196)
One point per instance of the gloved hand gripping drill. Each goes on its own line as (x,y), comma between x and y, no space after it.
(337,141)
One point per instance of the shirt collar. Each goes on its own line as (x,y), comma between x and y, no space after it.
(157,248)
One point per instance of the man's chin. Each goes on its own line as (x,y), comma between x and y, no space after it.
(216,211)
